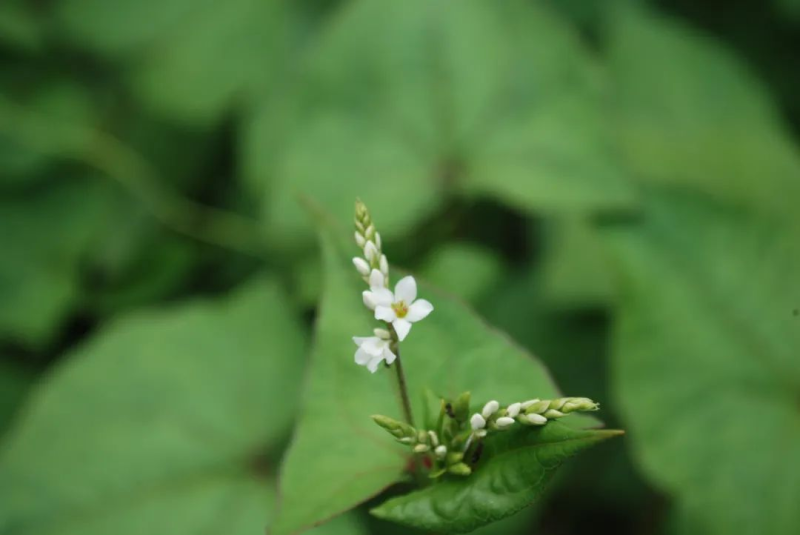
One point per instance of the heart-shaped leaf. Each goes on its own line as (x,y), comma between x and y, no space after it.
(518,466)
(706,361)
(338,457)
(166,422)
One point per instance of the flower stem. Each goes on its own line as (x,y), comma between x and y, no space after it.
(401,383)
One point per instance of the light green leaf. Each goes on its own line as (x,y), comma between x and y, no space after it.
(706,361)
(46,235)
(165,422)
(338,457)
(482,98)
(518,466)
(465,270)
(691,115)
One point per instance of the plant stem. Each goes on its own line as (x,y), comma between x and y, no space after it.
(401,382)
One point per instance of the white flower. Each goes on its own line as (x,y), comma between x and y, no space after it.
(373,350)
(401,309)
(377,293)
(361,265)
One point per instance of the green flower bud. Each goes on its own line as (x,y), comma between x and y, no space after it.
(396,428)
(461,407)
(538,408)
(460,469)
(454,457)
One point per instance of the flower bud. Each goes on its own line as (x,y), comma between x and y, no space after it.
(369,302)
(477,422)
(454,457)
(460,469)
(422,448)
(378,240)
(513,410)
(461,407)
(526,404)
(396,428)
(434,439)
(384,265)
(536,419)
(552,413)
(440,451)
(361,266)
(371,252)
(383,334)
(538,407)
(370,233)
(360,240)
(504,422)
(489,409)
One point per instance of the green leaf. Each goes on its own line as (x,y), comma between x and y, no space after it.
(706,361)
(466,270)
(339,457)
(190,60)
(39,267)
(518,466)
(15,381)
(166,421)
(482,98)
(691,115)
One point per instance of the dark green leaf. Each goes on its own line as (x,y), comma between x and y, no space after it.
(517,467)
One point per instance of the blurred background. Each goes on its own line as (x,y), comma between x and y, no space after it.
(613,183)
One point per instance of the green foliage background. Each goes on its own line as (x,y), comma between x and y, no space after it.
(614,184)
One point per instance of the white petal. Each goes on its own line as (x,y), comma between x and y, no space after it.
(383,297)
(385,313)
(369,299)
(361,265)
(401,327)
(362,357)
(372,366)
(513,410)
(419,310)
(373,345)
(477,422)
(406,290)
(360,340)
(376,280)
(490,408)
(388,356)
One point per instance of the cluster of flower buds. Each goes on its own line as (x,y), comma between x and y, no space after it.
(455,444)
(398,309)
(369,240)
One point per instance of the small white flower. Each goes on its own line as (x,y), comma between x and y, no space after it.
(537,419)
(504,422)
(372,351)
(377,293)
(477,422)
(361,266)
(401,309)
(513,410)
(489,409)
(441,452)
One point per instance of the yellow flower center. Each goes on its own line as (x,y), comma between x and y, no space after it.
(400,308)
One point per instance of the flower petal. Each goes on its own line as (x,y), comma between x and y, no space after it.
(401,327)
(376,280)
(406,290)
(388,356)
(419,310)
(360,340)
(373,345)
(385,313)
(373,364)
(382,296)
(362,357)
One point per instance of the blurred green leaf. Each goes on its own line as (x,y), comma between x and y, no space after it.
(190,60)
(575,269)
(339,458)
(20,28)
(706,361)
(46,235)
(692,115)
(14,384)
(166,422)
(466,270)
(519,465)
(483,98)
